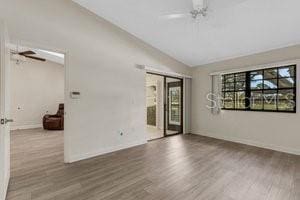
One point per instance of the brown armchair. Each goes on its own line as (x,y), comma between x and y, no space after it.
(55,122)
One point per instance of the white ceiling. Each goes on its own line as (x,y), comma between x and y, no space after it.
(232,28)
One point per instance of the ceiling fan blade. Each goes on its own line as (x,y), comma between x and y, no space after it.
(35,58)
(26,52)
(175,16)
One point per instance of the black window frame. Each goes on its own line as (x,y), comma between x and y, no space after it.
(248,89)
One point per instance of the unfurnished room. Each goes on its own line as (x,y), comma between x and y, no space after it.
(149,100)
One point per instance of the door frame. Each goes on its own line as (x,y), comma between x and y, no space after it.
(4,102)
(66,135)
(165,102)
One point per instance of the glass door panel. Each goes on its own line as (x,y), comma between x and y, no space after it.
(173,106)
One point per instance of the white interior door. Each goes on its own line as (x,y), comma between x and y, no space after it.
(4,111)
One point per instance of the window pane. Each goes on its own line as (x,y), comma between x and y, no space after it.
(229,86)
(257,84)
(240,77)
(229,78)
(285,94)
(256,75)
(270,84)
(286,105)
(256,101)
(229,104)
(229,96)
(270,100)
(240,95)
(240,100)
(286,82)
(229,100)
(240,105)
(270,73)
(286,71)
(240,86)
(286,100)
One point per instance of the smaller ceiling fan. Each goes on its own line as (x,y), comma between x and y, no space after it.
(199,9)
(203,8)
(27,54)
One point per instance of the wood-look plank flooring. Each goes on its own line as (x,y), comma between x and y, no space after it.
(175,168)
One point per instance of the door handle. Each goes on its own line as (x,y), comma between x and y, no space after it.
(5,121)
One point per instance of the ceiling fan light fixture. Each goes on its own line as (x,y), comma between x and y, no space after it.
(196,13)
(200,9)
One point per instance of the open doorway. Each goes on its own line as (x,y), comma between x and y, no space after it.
(164,102)
(37,88)
(155,106)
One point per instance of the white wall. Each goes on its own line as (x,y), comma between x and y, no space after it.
(279,131)
(36,89)
(101,60)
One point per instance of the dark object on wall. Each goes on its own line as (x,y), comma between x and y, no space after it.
(28,54)
(151,115)
(55,122)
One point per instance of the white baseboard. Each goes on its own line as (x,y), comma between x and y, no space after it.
(254,143)
(84,156)
(23,127)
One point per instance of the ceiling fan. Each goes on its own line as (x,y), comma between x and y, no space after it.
(201,8)
(21,56)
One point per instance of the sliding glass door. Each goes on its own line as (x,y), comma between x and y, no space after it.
(164,100)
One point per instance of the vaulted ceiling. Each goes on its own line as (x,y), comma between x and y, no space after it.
(232,28)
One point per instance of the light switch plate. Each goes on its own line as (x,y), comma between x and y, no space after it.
(75,95)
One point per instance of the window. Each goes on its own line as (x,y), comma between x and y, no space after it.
(271,90)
